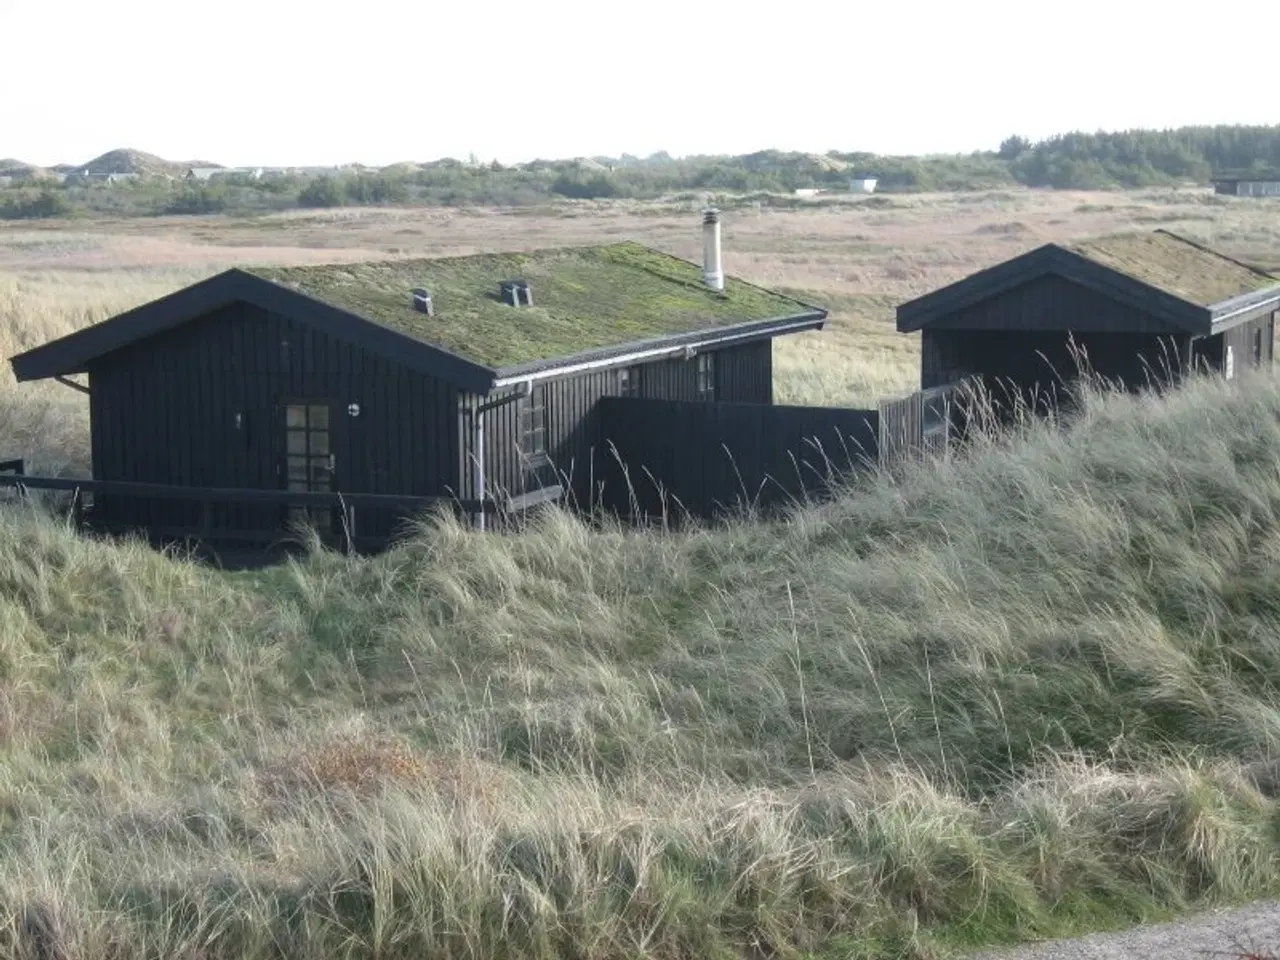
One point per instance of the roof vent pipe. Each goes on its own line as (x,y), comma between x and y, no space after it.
(422,301)
(517,293)
(712,272)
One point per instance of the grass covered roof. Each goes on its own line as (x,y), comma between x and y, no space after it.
(584,298)
(1175,265)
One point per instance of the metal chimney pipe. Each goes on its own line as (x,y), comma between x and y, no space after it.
(712,272)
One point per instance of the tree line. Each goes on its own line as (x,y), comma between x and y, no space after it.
(1135,158)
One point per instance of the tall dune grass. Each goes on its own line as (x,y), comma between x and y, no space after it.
(1021,693)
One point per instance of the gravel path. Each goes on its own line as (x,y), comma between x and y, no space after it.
(1221,935)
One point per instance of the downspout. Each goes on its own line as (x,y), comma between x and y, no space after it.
(480,467)
(522,390)
(1188,365)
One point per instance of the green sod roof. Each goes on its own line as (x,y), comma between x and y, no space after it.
(1177,266)
(584,298)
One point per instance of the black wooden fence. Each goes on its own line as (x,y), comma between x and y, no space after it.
(669,457)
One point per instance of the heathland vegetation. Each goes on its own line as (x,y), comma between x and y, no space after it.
(1076,160)
(1022,694)
(1027,692)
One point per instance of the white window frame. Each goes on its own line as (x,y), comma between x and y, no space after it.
(705,376)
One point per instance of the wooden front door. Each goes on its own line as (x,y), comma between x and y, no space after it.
(309,459)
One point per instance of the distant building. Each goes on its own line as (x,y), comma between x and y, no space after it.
(862,184)
(1248,187)
(108,178)
(217,173)
(252,173)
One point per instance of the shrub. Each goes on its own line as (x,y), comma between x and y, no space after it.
(324,191)
(34,206)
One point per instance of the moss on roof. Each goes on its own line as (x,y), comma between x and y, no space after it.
(1175,265)
(583,298)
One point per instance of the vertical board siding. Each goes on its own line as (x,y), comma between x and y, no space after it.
(163,412)
(1052,303)
(1244,341)
(578,452)
(1044,361)
(901,427)
(706,458)
(924,423)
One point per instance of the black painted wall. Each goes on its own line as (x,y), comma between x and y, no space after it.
(202,405)
(1025,336)
(1252,345)
(703,459)
(1053,303)
(1046,358)
(164,411)
(576,454)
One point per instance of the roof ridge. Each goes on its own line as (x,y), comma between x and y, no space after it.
(1217,253)
(384,258)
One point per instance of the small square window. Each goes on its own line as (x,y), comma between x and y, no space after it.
(629,382)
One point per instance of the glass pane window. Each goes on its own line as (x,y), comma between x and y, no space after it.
(307,446)
(629,382)
(534,424)
(706,375)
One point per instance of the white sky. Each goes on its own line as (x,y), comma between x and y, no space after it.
(284,82)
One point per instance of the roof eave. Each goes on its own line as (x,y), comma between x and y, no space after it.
(918,313)
(70,353)
(1240,309)
(73,352)
(656,347)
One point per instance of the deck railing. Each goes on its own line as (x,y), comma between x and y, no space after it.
(12,476)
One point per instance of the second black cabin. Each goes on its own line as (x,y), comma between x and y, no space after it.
(1130,308)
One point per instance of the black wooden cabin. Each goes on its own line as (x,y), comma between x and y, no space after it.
(424,378)
(1133,309)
